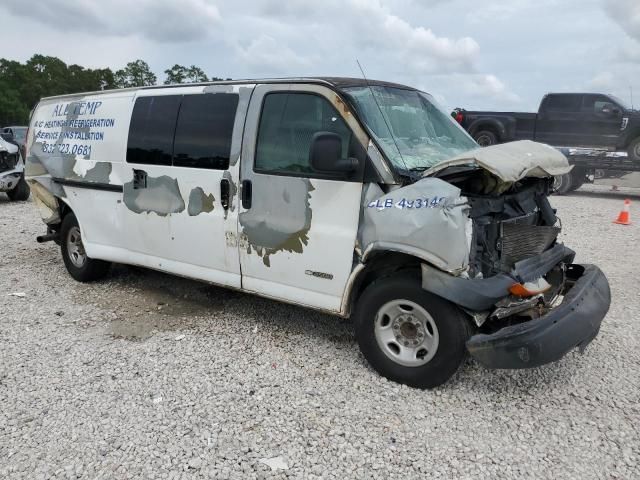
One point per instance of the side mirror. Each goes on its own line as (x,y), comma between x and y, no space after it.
(325,154)
(610,109)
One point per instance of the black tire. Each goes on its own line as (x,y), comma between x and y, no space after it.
(20,192)
(485,138)
(634,150)
(578,178)
(562,184)
(452,328)
(82,270)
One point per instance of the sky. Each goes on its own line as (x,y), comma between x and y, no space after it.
(489,54)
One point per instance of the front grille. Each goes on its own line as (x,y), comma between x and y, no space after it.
(520,240)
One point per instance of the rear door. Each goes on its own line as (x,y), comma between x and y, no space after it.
(297,227)
(602,128)
(179,209)
(560,120)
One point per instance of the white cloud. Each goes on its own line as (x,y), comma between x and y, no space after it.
(159,20)
(602,81)
(627,14)
(417,46)
(491,10)
(489,86)
(366,25)
(266,54)
(630,52)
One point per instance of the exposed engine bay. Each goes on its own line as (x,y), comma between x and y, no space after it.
(513,223)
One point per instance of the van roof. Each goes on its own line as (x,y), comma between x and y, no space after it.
(337,83)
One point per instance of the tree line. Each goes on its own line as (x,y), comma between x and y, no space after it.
(23,84)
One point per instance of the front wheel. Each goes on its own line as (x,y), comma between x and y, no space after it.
(634,150)
(409,335)
(79,265)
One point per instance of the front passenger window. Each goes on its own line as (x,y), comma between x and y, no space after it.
(287,125)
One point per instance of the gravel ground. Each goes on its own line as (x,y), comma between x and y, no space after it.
(150,376)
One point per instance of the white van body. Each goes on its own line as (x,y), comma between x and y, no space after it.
(262,214)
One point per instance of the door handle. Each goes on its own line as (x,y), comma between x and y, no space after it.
(224,193)
(247,188)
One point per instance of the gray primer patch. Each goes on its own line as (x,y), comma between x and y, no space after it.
(199,202)
(161,196)
(99,173)
(272,225)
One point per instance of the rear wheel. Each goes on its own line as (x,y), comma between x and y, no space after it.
(562,184)
(409,335)
(486,138)
(634,150)
(578,177)
(21,191)
(79,265)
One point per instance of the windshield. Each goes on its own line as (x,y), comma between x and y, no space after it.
(19,133)
(413,132)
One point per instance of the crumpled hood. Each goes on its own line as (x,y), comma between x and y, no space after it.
(512,161)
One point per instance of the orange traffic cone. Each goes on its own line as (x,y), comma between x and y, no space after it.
(624,218)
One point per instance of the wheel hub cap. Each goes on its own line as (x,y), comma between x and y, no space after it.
(75,248)
(406,333)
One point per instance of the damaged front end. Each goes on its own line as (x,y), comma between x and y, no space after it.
(11,167)
(491,247)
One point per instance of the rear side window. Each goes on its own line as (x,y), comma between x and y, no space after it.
(563,103)
(204,131)
(183,130)
(287,125)
(153,123)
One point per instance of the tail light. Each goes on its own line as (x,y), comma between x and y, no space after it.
(459,117)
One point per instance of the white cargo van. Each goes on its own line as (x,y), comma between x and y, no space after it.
(356,198)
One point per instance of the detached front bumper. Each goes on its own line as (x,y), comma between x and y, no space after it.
(573,323)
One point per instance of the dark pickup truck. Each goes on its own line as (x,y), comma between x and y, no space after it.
(591,129)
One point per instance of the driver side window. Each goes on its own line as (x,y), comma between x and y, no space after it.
(287,125)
